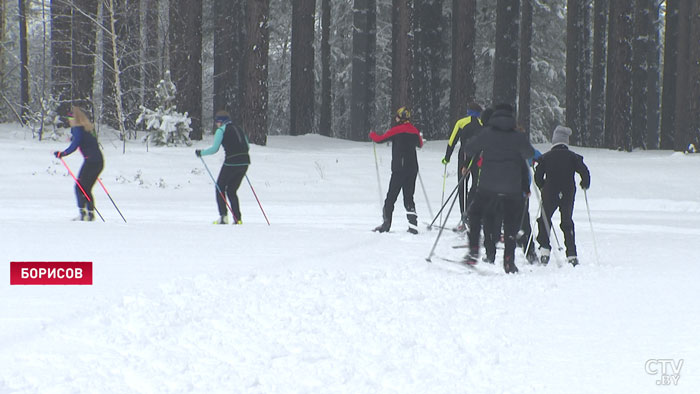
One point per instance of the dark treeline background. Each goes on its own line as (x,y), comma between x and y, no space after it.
(622,74)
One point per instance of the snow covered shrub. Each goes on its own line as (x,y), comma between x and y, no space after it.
(166,126)
(48,124)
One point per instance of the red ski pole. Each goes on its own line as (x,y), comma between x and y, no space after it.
(80,186)
(110,199)
(256,198)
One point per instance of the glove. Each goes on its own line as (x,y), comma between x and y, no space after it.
(584,186)
(57,154)
(198,152)
(445,161)
(373,136)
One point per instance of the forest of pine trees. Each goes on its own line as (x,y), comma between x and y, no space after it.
(623,75)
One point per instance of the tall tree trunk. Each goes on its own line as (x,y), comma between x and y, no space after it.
(462,86)
(302,57)
(61,55)
(694,77)
(152,67)
(109,97)
(525,65)
(121,56)
(683,135)
(585,73)
(429,55)
(505,76)
(256,95)
(24,61)
(609,81)
(621,122)
(401,55)
(653,75)
(129,35)
(363,43)
(668,95)
(2,39)
(600,23)
(574,25)
(185,33)
(83,61)
(640,90)
(326,114)
(229,37)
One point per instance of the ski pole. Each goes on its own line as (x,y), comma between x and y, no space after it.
(595,247)
(442,227)
(449,197)
(427,201)
(235,219)
(110,199)
(532,231)
(444,179)
(462,179)
(376,165)
(256,198)
(81,187)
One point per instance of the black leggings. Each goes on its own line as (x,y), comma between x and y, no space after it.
(401,181)
(230,178)
(86,178)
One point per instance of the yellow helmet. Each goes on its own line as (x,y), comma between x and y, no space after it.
(404,114)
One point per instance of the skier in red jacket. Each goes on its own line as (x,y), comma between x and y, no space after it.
(404,168)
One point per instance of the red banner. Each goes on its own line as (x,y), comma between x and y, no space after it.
(50,273)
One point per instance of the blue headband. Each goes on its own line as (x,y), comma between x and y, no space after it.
(222,119)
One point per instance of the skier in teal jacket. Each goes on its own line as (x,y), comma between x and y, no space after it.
(235,143)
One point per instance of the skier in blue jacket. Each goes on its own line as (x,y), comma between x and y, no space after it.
(83,139)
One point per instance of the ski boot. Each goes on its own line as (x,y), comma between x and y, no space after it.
(573,260)
(412,221)
(82,216)
(471,258)
(490,258)
(221,220)
(531,256)
(384,227)
(509,265)
(90,216)
(544,256)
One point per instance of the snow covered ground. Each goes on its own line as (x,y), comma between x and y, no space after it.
(316,302)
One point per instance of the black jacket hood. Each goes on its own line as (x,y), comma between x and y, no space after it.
(502,120)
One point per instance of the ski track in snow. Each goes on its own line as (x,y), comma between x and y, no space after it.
(317,302)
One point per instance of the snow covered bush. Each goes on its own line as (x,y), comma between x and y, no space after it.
(48,123)
(166,126)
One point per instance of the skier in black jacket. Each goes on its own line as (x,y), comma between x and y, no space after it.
(464,129)
(502,178)
(404,168)
(235,165)
(555,177)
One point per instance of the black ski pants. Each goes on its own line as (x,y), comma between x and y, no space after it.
(401,181)
(564,201)
(492,221)
(512,206)
(465,191)
(86,178)
(230,178)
